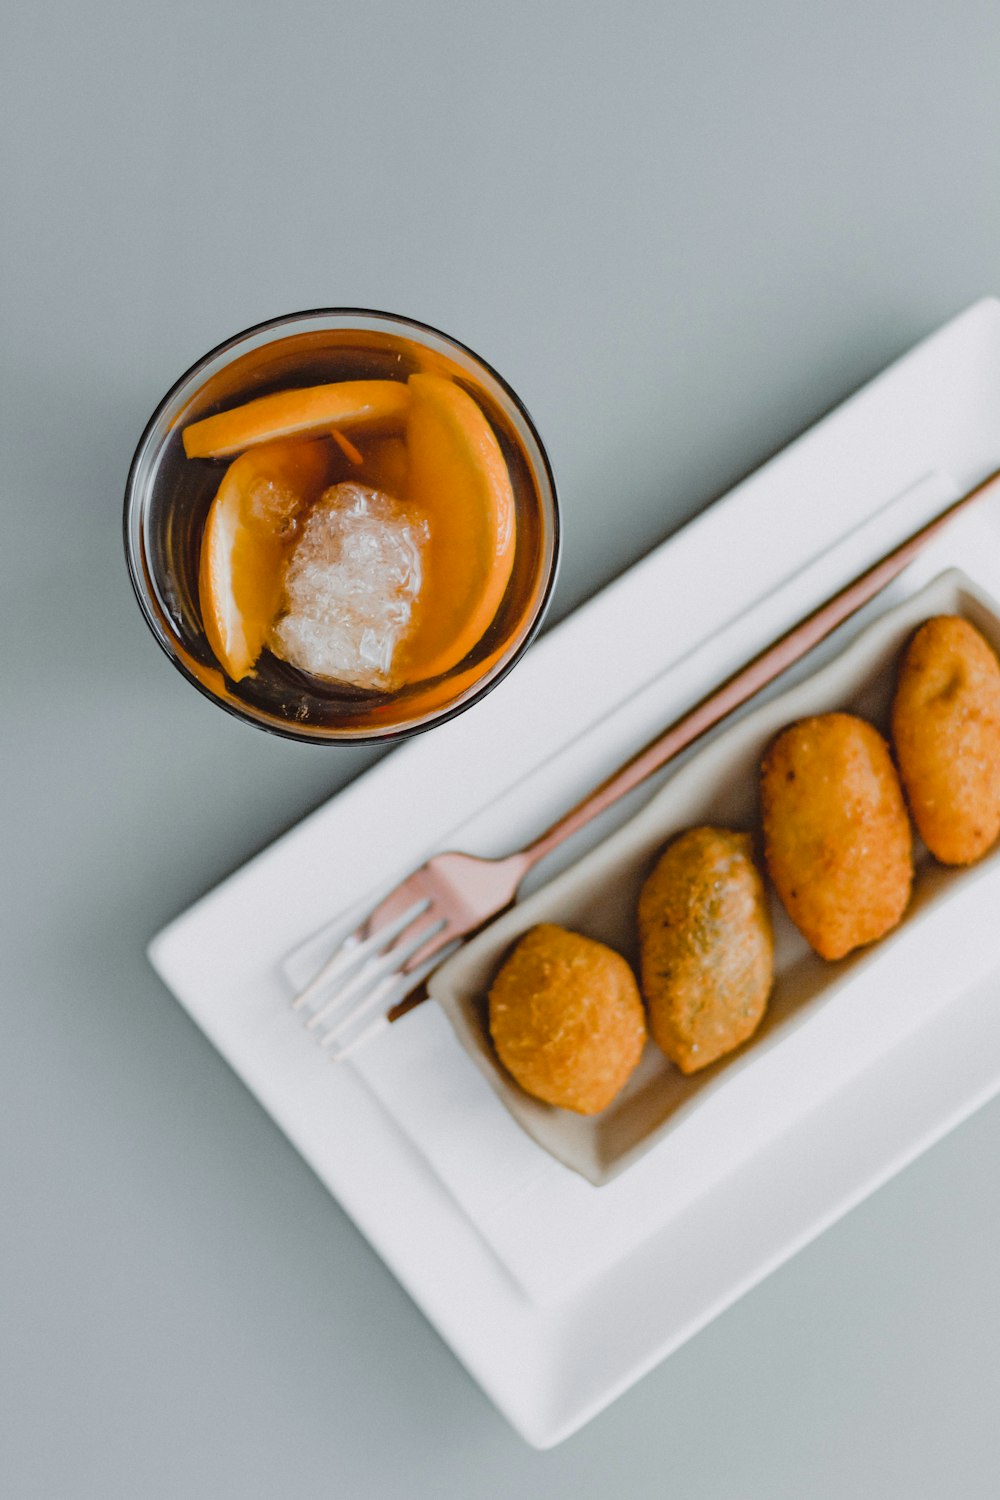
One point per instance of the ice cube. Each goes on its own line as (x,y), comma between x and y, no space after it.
(274,506)
(350,586)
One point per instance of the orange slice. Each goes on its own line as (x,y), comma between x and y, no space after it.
(309,411)
(248,534)
(346,447)
(458,478)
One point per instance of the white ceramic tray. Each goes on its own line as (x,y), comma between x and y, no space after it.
(697,606)
(599,896)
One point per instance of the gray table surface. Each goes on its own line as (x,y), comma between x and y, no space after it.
(682,233)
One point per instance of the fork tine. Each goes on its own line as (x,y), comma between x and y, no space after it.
(380,1023)
(384,999)
(377,965)
(356,948)
(419,954)
(374,1000)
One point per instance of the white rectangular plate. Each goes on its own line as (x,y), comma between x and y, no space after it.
(695,607)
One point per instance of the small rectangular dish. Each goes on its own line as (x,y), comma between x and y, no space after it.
(599,894)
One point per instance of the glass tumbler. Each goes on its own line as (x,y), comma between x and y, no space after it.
(168,496)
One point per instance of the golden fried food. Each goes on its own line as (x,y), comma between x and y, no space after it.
(707,950)
(566,1019)
(836,835)
(946,730)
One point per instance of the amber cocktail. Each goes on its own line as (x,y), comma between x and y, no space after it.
(342,526)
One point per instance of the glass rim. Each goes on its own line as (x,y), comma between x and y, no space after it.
(247,715)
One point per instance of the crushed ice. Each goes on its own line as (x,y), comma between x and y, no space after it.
(350,587)
(274,507)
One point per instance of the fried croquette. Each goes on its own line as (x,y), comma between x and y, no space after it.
(566,1019)
(836,835)
(946,732)
(706,945)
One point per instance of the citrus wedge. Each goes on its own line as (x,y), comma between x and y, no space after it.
(308,411)
(247,537)
(458,478)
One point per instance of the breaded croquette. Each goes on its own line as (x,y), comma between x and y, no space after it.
(946,732)
(836,834)
(566,1019)
(707,950)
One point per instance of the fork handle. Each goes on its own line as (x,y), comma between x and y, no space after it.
(749,679)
